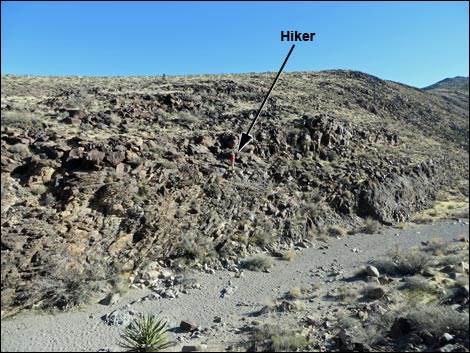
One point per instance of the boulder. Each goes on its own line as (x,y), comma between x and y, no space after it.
(372,271)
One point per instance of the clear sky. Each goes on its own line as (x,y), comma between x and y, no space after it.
(416,43)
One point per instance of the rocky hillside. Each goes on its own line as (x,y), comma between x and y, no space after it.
(458,84)
(101,176)
(454,90)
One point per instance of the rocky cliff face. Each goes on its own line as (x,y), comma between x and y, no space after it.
(102,175)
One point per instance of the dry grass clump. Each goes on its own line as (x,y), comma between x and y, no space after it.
(297,293)
(443,209)
(419,290)
(289,255)
(347,295)
(439,319)
(18,119)
(337,231)
(371,226)
(436,246)
(404,262)
(258,263)
(38,189)
(277,339)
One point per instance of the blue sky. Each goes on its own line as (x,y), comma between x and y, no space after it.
(416,43)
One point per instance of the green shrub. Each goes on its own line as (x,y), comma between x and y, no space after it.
(146,334)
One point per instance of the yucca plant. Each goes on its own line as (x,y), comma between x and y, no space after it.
(146,334)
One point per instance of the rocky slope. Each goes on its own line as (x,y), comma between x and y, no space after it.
(102,176)
(454,90)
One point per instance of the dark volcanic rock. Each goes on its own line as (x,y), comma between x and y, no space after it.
(140,169)
(397,197)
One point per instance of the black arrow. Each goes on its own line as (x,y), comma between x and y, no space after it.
(245,138)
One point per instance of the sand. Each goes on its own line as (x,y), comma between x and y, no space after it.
(84,330)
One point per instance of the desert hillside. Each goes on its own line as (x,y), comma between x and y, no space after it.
(102,176)
(454,90)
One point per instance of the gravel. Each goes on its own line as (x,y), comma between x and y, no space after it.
(85,330)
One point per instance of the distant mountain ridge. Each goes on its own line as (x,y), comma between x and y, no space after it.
(453,90)
(458,83)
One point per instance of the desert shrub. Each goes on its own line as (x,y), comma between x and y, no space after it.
(197,248)
(439,319)
(289,255)
(146,334)
(436,246)
(38,189)
(262,237)
(453,260)
(384,265)
(113,119)
(277,339)
(61,293)
(258,263)
(410,262)
(119,285)
(294,293)
(368,334)
(346,294)
(371,226)
(315,286)
(347,322)
(18,119)
(420,283)
(337,231)
(418,290)
(187,118)
(423,219)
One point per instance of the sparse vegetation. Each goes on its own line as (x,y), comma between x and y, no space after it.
(259,263)
(142,173)
(38,189)
(347,294)
(403,261)
(337,231)
(439,319)
(276,339)
(18,119)
(294,293)
(371,226)
(289,255)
